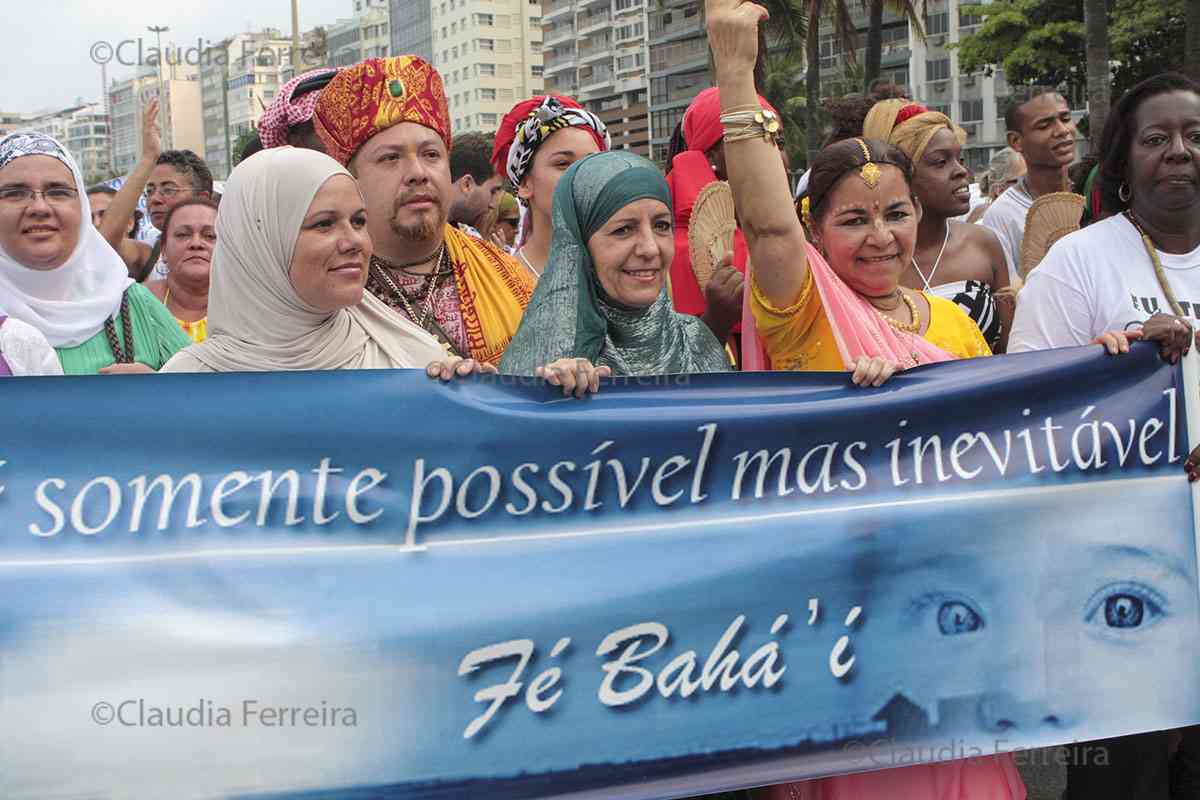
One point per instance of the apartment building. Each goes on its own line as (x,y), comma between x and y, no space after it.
(412,33)
(489,53)
(180,114)
(10,122)
(84,130)
(678,67)
(366,35)
(235,91)
(597,52)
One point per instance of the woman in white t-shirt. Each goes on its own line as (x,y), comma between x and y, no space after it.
(1133,275)
(1143,262)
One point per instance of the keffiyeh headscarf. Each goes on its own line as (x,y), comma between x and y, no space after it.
(908,125)
(285,112)
(571,316)
(69,304)
(532,122)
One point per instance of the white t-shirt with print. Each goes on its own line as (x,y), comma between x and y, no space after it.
(1006,217)
(1099,279)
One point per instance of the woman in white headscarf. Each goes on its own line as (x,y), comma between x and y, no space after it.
(286,291)
(59,276)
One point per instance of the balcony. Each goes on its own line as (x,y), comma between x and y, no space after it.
(562,32)
(559,64)
(554,11)
(680,27)
(595,82)
(593,50)
(591,23)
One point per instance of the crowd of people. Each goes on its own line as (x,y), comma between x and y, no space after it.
(358,232)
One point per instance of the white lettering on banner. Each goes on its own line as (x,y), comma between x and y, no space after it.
(627,677)
(1088,443)
(99,503)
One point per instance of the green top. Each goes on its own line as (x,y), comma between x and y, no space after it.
(156,337)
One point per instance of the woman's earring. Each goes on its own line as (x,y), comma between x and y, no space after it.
(1124,193)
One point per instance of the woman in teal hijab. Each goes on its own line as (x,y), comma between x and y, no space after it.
(602,308)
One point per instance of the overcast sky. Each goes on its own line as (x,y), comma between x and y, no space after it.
(47,44)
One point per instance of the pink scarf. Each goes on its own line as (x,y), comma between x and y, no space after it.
(857,326)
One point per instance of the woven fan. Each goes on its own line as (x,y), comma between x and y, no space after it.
(710,232)
(1051,217)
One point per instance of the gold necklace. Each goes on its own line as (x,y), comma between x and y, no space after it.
(1152,251)
(906,327)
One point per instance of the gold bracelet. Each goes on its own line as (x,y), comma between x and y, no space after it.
(743,125)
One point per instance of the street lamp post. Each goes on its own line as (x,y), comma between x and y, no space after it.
(158,31)
(295,37)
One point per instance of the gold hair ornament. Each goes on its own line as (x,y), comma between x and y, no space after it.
(870,172)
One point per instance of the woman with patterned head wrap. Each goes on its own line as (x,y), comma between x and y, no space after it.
(953,260)
(719,303)
(602,305)
(59,275)
(536,142)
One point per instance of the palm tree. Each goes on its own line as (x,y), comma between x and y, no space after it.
(1099,79)
(845,33)
(914,12)
(783,86)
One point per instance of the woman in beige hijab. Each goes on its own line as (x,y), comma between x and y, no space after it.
(287,279)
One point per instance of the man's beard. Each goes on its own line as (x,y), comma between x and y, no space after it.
(428,226)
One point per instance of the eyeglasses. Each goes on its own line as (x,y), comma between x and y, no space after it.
(514,221)
(23,195)
(168,191)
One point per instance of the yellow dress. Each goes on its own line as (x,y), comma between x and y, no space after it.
(197,331)
(800,337)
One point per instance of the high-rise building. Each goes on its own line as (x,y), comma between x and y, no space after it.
(10,122)
(366,35)
(678,66)
(489,53)
(83,129)
(596,51)
(180,113)
(412,33)
(236,90)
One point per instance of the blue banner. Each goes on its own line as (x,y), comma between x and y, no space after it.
(373,584)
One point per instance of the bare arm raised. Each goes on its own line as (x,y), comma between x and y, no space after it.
(756,173)
(124,203)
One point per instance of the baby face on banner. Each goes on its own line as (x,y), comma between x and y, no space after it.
(1052,629)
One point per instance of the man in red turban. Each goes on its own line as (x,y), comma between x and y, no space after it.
(386,119)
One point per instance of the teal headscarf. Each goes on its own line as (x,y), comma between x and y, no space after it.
(571,316)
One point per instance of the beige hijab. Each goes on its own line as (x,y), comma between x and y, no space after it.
(256,320)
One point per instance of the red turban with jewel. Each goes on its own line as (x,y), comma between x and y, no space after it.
(374,95)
